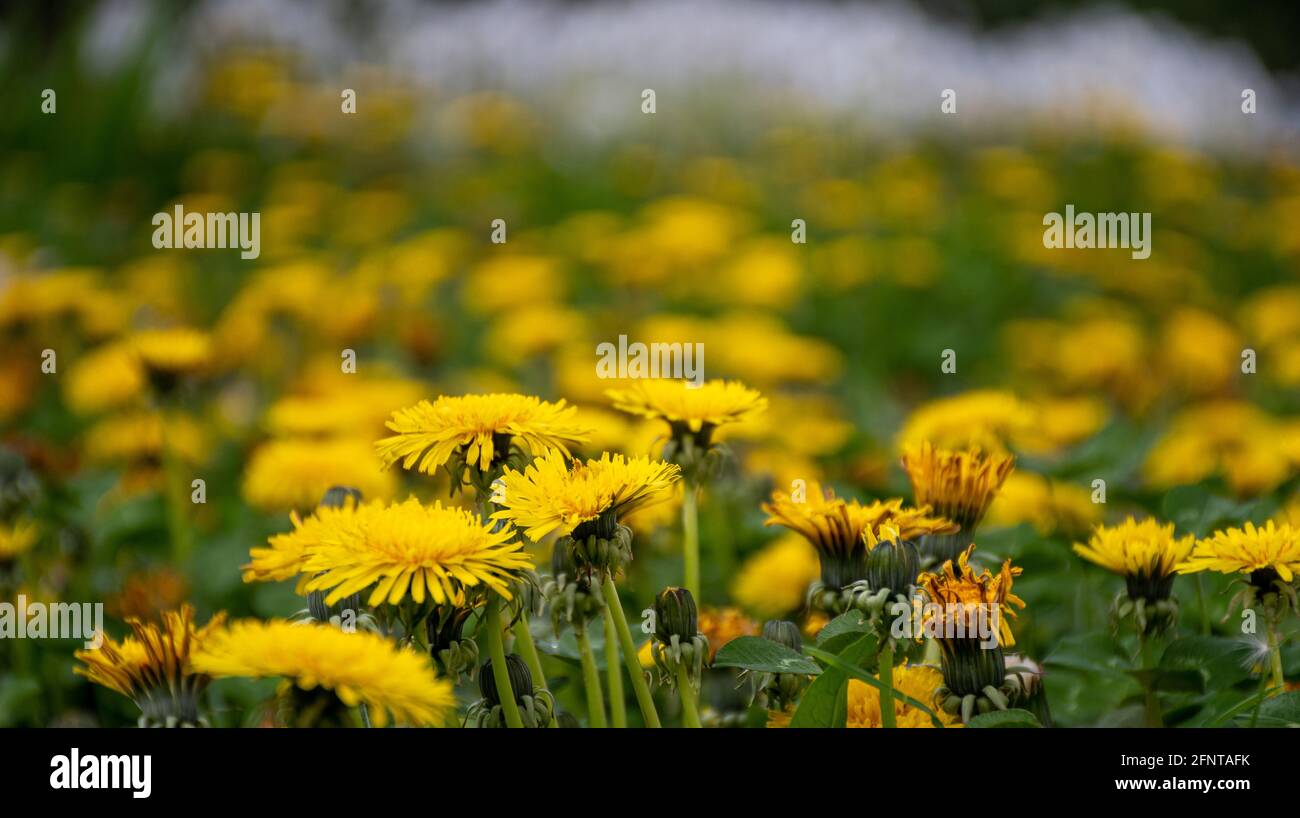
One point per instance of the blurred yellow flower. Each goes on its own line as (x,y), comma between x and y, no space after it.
(774,582)
(359,668)
(295,473)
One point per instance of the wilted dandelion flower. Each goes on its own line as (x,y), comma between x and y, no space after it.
(438,552)
(294,473)
(154,667)
(359,668)
(969,616)
(958,485)
(836,528)
(960,592)
(550,496)
(477,431)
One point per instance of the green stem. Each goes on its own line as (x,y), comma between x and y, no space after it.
(691,539)
(1200,601)
(617,701)
(527,648)
(1259,699)
(1150,701)
(690,709)
(500,673)
(1275,655)
(886,673)
(643,698)
(590,678)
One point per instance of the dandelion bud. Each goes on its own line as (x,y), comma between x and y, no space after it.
(892,565)
(783,632)
(521,680)
(675,615)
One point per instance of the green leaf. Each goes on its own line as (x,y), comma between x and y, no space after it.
(1223,660)
(1171,681)
(825,702)
(838,664)
(1281,711)
(843,631)
(763,655)
(1005,718)
(848,622)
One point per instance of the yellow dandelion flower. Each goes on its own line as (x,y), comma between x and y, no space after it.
(283,475)
(713,404)
(16,539)
(1146,550)
(958,592)
(285,555)
(774,582)
(427,550)
(477,428)
(549,496)
(109,377)
(154,666)
(1270,548)
(176,351)
(359,668)
(957,485)
(918,681)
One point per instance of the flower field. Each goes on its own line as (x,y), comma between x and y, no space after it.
(390,454)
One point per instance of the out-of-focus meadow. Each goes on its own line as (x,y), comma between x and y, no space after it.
(376,232)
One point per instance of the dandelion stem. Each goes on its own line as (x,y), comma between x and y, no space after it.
(691,538)
(1150,701)
(690,708)
(886,673)
(590,678)
(1200,602)
(639,686)
(617,701)
(1275,655)
(500,673)
(528,649)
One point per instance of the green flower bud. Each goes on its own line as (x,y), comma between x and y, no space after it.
(521,680)
(893,565)
(675,615)
(785,633)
